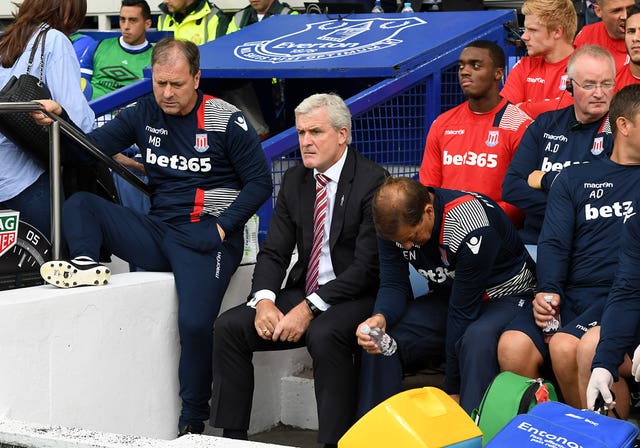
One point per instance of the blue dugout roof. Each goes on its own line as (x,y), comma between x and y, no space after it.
(331,46)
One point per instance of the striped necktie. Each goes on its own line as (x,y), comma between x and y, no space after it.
(319,219)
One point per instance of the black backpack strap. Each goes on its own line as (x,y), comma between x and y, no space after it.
(528,396)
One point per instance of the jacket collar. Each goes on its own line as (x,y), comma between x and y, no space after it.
(180,16)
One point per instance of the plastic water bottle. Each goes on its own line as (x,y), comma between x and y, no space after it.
(377,8)
(407,7)
(251,240)
(553,325)
(385,343)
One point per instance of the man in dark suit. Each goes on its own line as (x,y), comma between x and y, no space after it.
(329,290)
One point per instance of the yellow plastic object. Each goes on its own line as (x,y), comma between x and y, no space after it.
(422,418)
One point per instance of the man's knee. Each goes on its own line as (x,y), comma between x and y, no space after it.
(481,331)
(480,339)
(232,322)
(195,326)
(587,346)
(77,201)
(80,199)
(563,348)
(325,341)
(517,352)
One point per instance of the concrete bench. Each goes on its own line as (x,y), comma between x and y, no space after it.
(105,358)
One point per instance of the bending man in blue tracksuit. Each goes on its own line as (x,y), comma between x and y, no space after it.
(480,277)
(208,175)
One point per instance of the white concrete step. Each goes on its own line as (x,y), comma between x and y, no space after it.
(298,401)
(31,435)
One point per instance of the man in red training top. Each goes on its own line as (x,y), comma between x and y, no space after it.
(537,83)
(470,146)
(630,73)
(608,32)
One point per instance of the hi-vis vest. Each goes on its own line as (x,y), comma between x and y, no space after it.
(242,17)
(199,27)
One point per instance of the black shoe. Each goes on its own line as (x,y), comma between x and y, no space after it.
(191,428)
(68,274)
(238,434)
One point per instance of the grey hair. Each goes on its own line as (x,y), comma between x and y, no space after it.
(596,52)
(338,111)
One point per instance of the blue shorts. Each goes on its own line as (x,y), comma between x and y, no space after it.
(590,318)
(575,320)
(525,323)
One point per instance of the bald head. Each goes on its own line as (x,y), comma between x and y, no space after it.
(399,202)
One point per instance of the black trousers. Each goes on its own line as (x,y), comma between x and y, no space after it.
(331,342)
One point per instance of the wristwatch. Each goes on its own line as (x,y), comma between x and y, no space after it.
(313,308)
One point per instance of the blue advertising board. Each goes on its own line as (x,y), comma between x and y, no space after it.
(330,46)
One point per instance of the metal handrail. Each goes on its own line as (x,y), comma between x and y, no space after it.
(55,177)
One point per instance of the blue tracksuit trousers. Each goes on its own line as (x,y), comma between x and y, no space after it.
(201,263)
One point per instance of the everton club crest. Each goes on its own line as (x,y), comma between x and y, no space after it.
(329,39)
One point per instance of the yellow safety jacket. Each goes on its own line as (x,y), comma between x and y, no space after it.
(201,26)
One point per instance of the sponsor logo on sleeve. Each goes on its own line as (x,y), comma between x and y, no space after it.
(240,121)
(474,244)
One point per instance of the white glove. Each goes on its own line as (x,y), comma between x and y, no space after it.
(600,383)
(635,367)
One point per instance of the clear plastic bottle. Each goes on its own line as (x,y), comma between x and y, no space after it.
(377,8)
(553,325)
(385,343)
(251,240)
(407,7)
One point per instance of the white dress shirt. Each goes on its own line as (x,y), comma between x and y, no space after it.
(325,273)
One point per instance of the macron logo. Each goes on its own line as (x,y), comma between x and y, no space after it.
(242,123)
(474,244)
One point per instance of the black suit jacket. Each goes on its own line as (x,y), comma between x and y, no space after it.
(354,253)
